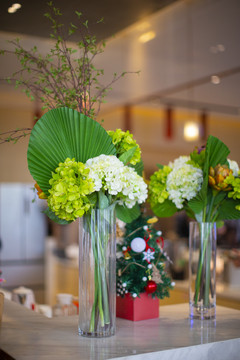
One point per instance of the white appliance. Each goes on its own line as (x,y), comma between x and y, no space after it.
(22,234)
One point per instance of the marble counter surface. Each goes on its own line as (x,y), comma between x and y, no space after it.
(27,335)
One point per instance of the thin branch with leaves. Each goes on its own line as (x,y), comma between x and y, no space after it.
(66,76)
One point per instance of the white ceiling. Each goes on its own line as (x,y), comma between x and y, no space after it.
(195,40)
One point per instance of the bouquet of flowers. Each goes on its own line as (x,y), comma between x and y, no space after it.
(78,169)
(141,260)
(206,185)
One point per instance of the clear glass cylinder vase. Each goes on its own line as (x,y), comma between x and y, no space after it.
(97,273)
(202,270)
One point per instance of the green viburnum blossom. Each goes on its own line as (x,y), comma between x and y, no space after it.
(123,142)
(234,182)
(71,186)
(157,186)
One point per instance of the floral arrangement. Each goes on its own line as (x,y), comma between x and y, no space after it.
(96,175)
(74,183)
(141,260)
(205,184)
(78,169)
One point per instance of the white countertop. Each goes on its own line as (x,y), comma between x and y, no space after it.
(27,335)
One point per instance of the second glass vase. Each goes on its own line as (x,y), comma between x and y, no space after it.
(97,273)
(202,270)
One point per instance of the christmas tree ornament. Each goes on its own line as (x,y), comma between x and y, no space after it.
(125,251)
(138,244)
(152,220)
(127,256)
(156,275)
(151,287)
(148,255)
(121,289)
(160,241)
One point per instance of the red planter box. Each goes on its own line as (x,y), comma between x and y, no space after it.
(142,308)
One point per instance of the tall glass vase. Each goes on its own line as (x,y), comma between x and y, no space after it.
(97,273)
(202,270)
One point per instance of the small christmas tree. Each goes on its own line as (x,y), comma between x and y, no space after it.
(141,260)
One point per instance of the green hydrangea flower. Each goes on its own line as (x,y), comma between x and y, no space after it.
(157,186)
(70,185)
(235,184)
(123,142)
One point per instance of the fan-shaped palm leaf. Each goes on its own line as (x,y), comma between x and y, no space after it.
(63,133)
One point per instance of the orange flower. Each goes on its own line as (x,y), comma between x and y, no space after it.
(40,193)
(217,176)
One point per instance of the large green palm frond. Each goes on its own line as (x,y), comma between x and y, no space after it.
(63,133)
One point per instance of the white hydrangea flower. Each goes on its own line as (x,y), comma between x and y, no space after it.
(183,182)
(179,162)
(234,167)
(109,173)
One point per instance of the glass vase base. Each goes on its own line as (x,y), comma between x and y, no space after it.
(202,313)
(96,334)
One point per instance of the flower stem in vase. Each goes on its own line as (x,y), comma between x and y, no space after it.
(95,317)
(202,240)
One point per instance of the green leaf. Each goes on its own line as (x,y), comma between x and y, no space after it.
(127,156)
(103,202)
(127,215)
(55,218)
(160,166)
(165,209)
(63,133)
(228,211)
(93,199)
(138,167)
(216,153)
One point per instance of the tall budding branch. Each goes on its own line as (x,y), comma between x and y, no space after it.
(66,76)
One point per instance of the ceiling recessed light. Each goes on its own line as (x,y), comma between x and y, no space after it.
(11,10)
(14,8)
(147,36)
(215,79)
